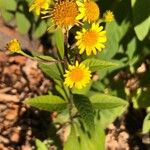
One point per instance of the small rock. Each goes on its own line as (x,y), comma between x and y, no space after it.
(2,107)
(15,137)
(1,120)
(20,59)
(4,139)
(6,123)
(141,69)
(26,147)
(11,115)
(2,147)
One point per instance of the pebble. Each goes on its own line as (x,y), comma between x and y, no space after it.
(11,115)
(6,123)
(15,136)
(26,147)
(1,120)
(2,147)
(2,107)
(3,139)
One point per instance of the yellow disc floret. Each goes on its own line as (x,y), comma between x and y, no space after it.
(89,11)
(64,13)
(108,16)
(39,5)
(13,46)
(77,76)
(91,40)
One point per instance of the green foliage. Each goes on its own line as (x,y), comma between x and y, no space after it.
(47,102)
(85,109)
(146,124)
(107,116)
(141,20)
(59,40)
(40,145)
(103,101)
(97,64)
(142,100)
(112,41)
(39,29)
(22,23)
(52,70)
(108,107)
(79,139)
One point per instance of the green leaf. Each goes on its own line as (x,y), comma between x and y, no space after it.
(103,101)
(52,70)
(40,29)
(7,16)
(40,145)
(131,48)
(72,142)
(79,139)
(141,20)
(45,58)
(62,117)
(59,39)
(23,23)
(96,64)
(112,41)
(146,124)
(107,116)
(143,100)
(47,102)
(85,109)
(8,4)
(61,91)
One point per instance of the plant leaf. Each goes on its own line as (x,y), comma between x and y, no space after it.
(79,139)
(47,102)
(141,21)
(8,5)
(40,29)
(103,101)
(40,145)
(112,41)
(143,100)
(96,64)
(146,124)
(107,116)
(85,109)
(59,39)
(7,16)
(51,70)
(23,23)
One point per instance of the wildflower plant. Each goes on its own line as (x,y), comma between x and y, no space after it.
(73,71)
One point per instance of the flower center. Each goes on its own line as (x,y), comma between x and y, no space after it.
(76,74)
(64,13)
(90,38)
(92,11)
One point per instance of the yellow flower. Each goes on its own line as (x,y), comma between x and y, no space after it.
(63,13)
(13,46)
(77,76)
(108,16)
(38,5)
(89,11)
(91,40)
